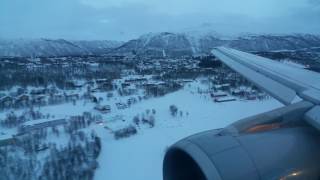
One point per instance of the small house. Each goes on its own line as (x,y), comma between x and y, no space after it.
(103,109)
(218,94)
(38,91)
(28,128)
(74,84)
(22,100)
(121,105)
(40,99)
(72,97)
(224,99)
(224,87)
(6,101)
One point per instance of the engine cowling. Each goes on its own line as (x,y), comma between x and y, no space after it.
(282,153)
(279,144)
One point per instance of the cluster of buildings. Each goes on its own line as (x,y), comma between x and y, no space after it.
(166,64)
(36,97)
(226,84)
(26,129)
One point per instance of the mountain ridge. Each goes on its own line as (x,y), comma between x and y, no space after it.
(175,44)
(44,47)
(172,44)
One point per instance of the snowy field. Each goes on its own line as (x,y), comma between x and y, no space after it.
(140,157)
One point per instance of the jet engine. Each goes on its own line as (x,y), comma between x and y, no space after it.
(276,145)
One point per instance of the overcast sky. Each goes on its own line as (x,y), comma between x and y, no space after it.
(127,19)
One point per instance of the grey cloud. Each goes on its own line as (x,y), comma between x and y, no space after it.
(126,19)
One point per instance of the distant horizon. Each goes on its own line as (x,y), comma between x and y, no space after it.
(139,36)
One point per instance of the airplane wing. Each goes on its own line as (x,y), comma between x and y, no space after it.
(288,84)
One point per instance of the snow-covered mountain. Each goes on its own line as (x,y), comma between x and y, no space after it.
(187,43)
(48,47)
(275,42)
(158,44)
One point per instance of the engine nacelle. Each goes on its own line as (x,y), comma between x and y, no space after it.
(275,149)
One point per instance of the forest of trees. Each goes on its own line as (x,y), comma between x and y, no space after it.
(26,74)
(75,161)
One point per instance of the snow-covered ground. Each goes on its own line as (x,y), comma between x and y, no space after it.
(140,157)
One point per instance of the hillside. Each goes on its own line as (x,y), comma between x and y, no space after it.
(177,44)
(158,45)
(48,47)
